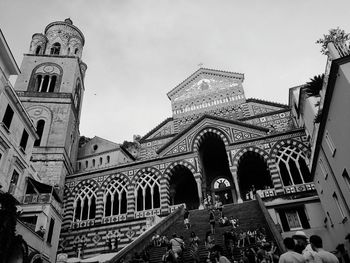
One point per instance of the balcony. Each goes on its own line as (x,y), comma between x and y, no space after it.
(43,198)
(299,188)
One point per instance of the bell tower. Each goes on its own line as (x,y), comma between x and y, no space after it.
(51,88)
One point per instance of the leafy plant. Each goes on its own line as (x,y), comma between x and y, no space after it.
(335,35)
(314,86)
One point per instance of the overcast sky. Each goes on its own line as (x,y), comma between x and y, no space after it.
(137,51)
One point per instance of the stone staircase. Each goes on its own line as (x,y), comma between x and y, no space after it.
(250,217)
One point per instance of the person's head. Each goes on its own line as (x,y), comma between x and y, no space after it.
(174,235)
(169,247)
(207,234)
(289,243)
(316,242)
(300,239)
(193,234)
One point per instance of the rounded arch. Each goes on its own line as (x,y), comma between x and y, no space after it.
(289,142)
(255,149)
(291,162)
(85,199)
(253,172)
(171,166)
(112,177)
(182,185)
(46,77)
(146,188)
(42,119)
(200,136)
(140,172)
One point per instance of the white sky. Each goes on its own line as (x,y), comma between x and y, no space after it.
(137,51)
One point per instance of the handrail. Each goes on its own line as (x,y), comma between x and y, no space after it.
(274,231)
(144,239)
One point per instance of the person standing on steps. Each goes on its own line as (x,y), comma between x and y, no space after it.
(194,247)
(187,219)
(209,243)
(212,221)
(219,258)
(176,245)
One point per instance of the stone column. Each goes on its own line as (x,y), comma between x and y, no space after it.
(235,181)
(199,189)
(164,196)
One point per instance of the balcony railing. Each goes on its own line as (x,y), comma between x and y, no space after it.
(147,213)
(299,188)
(44,198)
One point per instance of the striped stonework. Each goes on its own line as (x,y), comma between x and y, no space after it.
(99,207)
(169,170)
(275,176)
(198,139)
(241,152)
(131,201)
(68,208)
(164,194)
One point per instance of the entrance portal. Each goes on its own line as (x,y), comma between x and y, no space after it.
(183,188)
(253,174)
(215,166)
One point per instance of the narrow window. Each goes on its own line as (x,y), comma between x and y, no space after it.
(76,51)
(86,164)
(39,129)
(100,160)
(55,49)
(49,234)
(330,143)
(340,208)
(13,182)
(7,119)
(68,51)
(93,162)
(345,176)
(38,83)
(24,140)
(45,85)
(52,83)
(79,165)
(37,51)
(108,158)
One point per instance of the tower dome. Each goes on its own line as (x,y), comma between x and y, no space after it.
(63,38)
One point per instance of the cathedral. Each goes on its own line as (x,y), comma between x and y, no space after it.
(215,143)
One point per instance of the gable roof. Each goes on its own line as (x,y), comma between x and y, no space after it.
(258,129)
(148,134)
(200,71)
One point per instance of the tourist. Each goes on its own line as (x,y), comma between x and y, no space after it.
(342,255)
(177,244)
(302,247)
(187,219)
(194,247)
(209,242)
(219,258)
(290,256)
(326,257)
(169,256)
(212,221)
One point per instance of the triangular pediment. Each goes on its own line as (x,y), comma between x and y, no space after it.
(231,131)
(204,82)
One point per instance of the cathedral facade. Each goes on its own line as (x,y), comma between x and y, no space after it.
(216,143)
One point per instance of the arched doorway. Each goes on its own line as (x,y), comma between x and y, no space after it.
(183,187)
(223,188)
(253,174)
(215,166)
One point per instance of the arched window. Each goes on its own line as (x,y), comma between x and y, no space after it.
(55,49)
(93,162)
(68,52)
(39,129)
(46,78)
(108,158)
(86,164)
(147,192)
(292,166)
(100,160)
(115,198)
(85,204)
(37,51)
(76,51)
